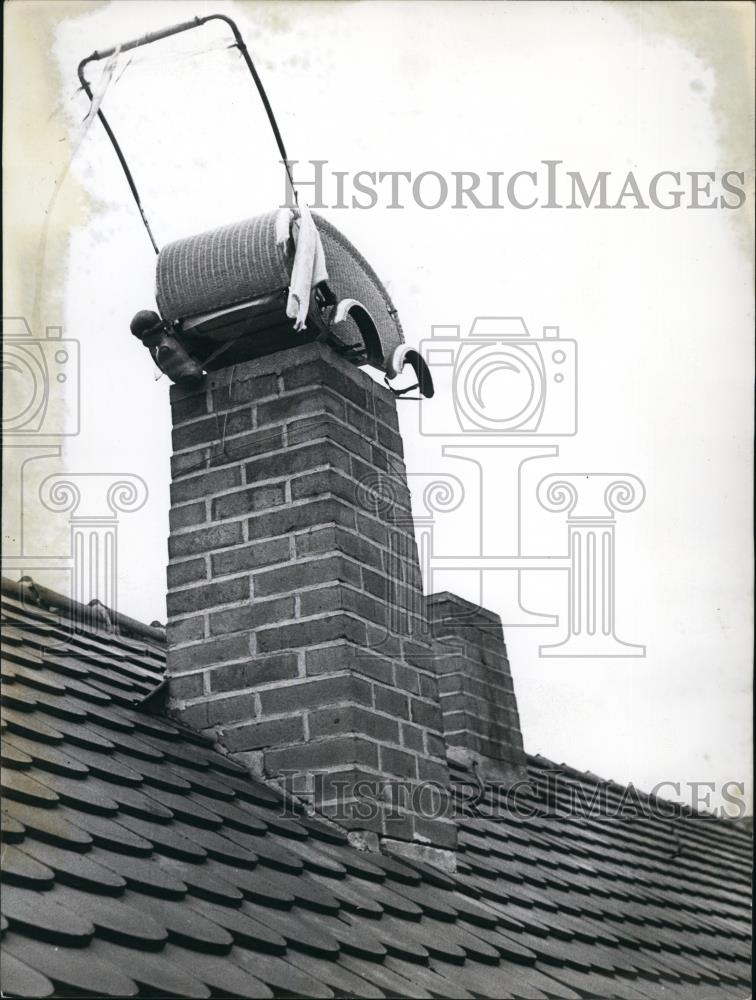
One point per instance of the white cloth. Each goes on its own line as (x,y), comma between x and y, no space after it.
(309,267)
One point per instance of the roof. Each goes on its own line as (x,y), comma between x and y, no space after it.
(139,860)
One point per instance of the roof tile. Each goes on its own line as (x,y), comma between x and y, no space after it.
(136,857)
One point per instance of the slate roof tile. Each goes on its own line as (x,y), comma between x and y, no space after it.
(139,860)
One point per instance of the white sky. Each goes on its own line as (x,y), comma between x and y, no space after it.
(660,304)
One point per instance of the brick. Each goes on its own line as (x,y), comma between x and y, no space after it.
(303,458)
(199,432)
(205,485)
(399,826)
(209,596)
(381,641)
(233,450)
(237,708)
(449,684)
(390,439)
(453,702)
(195,716)
(407,679)
(400,561)
(256,672)
(311,632)
(187,462)
(412,738)
(373,529)
(435,745)
(354,386)
(375,583)
(207,653)
(380,459)
(344,719)
(187,515)
(329,659)
(323,753)
(252,615)
(485,711)
(386,410)
(188,571)
(430,799)
(349,784)
(185,630)
(419,654)
(441,833)
(329,428)
(257,442)
(330,481)
(247,390)
(369,608)
(313,373)
(236,421)
(246,501)
(455,722)
(191,408)
(433,770)
(187,686)
(264,734)
(353,819)
(315,694)
(323,599)
(398,762)
(342,598)
(381,489)
(316,541)
(298,575)
(361,420)
(316,427)
(219,536)
(392,701)
(248,557)
(313,400)
(428,685)
(289,519)
(346,656)
(333,538)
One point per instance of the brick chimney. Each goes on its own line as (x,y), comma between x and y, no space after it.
(297,626)
(481,722)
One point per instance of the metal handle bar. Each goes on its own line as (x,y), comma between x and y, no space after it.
(155,36)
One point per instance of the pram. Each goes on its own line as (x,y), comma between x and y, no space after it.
(225,296)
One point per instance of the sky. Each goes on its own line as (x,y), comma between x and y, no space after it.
(656,306)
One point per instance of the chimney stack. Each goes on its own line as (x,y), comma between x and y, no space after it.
(481,721)
(297,628)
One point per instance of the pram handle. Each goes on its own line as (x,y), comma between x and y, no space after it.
(155,36)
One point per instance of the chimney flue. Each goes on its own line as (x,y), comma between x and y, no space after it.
(481,720)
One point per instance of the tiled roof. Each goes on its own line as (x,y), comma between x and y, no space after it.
(138,860)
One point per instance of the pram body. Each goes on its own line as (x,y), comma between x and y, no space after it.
(226,291)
